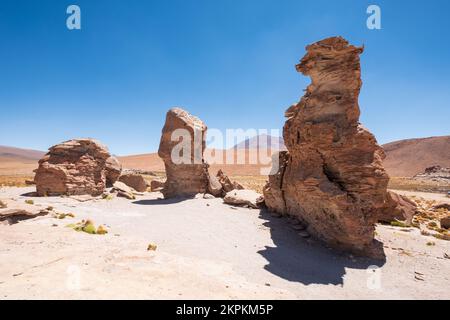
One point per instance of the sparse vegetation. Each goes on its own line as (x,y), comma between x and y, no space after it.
(29,201)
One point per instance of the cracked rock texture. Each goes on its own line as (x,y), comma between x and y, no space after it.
(76,167)
(332,177)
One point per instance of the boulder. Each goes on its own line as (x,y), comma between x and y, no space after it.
(226,183)
(443,205)
(181,148)
(332,176)
(244,198)
(123,190)
(135,181)
(76,167)
(214,186)
(398,207)
(156,185)
(13,211)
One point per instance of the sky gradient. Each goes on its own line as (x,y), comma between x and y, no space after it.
(230,62)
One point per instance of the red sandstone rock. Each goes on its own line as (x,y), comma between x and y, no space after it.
(186,171)
(332,177)
(76,167)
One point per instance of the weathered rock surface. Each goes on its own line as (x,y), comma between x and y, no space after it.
(76,167)
(244,197)
(123,190)
(398,207)
(186,170)
(332,177)
(156,185)
(13,211)
(445,222)
(135,181)
(435,173)
(227,184)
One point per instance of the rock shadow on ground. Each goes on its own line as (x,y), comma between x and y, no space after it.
(309,262)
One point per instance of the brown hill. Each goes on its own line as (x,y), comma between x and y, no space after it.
(406,158)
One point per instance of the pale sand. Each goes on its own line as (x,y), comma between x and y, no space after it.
(203,252)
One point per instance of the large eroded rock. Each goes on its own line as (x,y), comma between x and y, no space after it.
(76,167)
(181,148)
(332,177)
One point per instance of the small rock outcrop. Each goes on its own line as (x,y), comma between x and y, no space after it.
(332,177)
(13,211)
(135,181)
(76,167)
(181,148)
(398,207)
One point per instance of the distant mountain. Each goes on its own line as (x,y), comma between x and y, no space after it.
(262,141)
(20,154)
(406,158)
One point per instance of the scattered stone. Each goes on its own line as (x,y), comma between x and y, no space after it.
(435,174)
(188,175)
(29,182)
(14,212)
(398,207)
(135,181)
(444,205)
(3,205)
(243,197)
(304,234)
(152,247)
(126,195)
(156,185)
(332,176)
(445,222)
(76,167)
(208,196)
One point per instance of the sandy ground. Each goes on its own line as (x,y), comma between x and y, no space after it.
(206,250)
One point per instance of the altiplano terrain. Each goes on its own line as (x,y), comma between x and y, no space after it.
(205,250)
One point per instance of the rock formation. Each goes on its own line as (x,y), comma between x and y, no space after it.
(14,211)
(135,181)
(332,176)
(181,148)
(76,167)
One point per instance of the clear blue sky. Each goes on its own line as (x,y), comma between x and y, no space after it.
(231,62)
